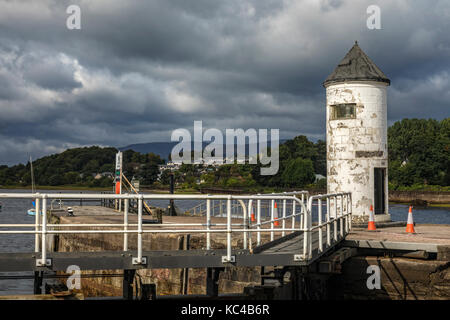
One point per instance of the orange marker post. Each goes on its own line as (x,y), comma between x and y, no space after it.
(410,223)
(371,225)
(276,223)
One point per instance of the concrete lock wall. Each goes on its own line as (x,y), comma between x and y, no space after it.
(168,281)
(356,146)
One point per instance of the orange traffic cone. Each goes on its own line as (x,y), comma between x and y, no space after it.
(276,223)
(410,223)
(252,216)
(371,225)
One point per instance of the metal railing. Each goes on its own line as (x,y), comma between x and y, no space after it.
(336,212)
(301,209)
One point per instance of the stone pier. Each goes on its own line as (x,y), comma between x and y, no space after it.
(416,276)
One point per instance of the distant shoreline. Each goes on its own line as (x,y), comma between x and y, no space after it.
(432,198)
(65,187)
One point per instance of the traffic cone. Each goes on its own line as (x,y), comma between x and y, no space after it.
(276,223)
(410,223)
(252,216)
(371,225)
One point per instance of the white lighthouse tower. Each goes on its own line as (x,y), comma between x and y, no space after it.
(357,154)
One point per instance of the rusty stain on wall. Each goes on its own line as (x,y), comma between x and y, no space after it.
(368,154)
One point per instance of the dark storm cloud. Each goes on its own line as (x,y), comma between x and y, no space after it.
(139,69)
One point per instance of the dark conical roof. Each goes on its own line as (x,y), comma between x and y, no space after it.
(356,66)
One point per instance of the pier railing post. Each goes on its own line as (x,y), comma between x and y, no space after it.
(36,219)
(243,208)
(125,223)
(335,219)
(43,261)
(208,224)
(328,223)
(319,210)
(302,212)
(139,259)
(249,223)
(294,203)
(350,208)
(228,257)
(283,224)
(258,221)
(341,220)
(306,231)
(229,229)
(272,221)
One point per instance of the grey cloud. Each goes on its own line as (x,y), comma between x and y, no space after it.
(139,69)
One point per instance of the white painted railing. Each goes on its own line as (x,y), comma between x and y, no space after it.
(338,210)
(299,202)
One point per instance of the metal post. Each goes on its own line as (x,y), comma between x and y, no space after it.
(172,211)
(302,212)
(328,224)
(125,223)
(305,231)
(127,286)
(229,229)
(212,278)
(350,208)
(120,184)
(208,224)
(245,224)
(284,218)
(272,220)
(186,246)
(341,221)
(258,221)
(37,285)
(44,231)
(249,223)
(335,218)
(139,235)
(36,219)
(294,203)
(319,210)
(309,224)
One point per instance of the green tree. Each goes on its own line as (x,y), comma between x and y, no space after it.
(298,173)
(419,152)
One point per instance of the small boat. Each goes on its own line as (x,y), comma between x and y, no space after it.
(32,212)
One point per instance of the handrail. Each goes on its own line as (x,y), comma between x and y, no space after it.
(342,215)
(199,206)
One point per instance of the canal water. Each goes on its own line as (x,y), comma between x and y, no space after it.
(14,211)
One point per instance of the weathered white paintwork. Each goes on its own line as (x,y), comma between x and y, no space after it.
(347,169)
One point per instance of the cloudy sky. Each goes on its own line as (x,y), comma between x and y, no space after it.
(139,69)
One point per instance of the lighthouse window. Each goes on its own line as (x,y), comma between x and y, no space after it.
(343,111)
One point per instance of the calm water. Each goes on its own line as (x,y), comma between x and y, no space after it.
(14,211)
